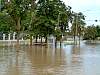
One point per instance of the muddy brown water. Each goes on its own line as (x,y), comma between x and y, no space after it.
(40,60)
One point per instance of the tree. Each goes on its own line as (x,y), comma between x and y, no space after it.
(47,13)
(65,16)
(30,21)
(53,14)
(90,33)
(17,10)
(78,24)
(98,31)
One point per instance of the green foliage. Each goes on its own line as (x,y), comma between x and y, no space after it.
(78,24)
(39,18)
(52,14)
(90,33)
(98,31)
(6,23)
(17,10)
(58,34)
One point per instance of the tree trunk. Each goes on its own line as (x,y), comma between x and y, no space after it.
(46,39)
(55,42)
(30,40)
(17,38)
(79,39)
(18,29)
(74,39)
(41,39)
(36,39)
(60,43)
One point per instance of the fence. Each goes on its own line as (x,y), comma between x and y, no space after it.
(10,39)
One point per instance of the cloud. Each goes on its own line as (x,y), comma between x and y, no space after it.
(83,4)
(91,8)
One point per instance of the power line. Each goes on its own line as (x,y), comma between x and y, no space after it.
(93,20)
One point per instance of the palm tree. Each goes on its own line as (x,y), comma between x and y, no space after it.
(78,25)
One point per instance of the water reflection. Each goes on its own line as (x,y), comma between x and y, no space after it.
(40,60)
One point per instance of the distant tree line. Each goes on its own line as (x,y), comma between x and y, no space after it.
(92,32)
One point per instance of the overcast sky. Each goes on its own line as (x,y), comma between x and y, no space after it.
(90,8)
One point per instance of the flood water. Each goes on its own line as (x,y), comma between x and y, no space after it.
(40,60)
